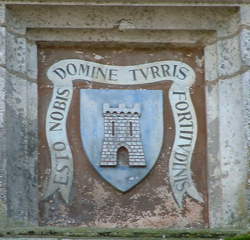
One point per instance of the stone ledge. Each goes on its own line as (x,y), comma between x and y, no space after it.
(81,232)
(38,238)
(133,2)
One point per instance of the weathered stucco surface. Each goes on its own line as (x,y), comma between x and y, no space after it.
(224,32)
(95,202)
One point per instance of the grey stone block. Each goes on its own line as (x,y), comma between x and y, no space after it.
(211,64)
(2,45)
(16,53)
(245,46)
(3,144)
(31,60)
(21,168)
(232,153)
(2,14)
(244,14)
(246,105)
(228,56)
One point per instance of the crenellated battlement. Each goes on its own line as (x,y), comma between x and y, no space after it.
(122,108)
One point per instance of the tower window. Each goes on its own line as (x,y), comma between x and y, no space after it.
(130,129)
(113,128)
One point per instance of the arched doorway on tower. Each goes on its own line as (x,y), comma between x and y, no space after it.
(122,156)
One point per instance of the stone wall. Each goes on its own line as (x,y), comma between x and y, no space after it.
(18,122)
(224,32)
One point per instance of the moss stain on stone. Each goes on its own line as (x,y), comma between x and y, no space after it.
(239,237)
(121,233)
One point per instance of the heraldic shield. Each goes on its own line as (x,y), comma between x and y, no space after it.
(122,133)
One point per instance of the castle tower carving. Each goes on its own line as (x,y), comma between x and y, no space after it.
(122,134)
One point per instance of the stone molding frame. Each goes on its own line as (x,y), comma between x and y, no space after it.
(224,32)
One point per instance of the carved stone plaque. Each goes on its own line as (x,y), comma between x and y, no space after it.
(122,137)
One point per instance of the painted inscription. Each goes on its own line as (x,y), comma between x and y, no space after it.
(62,161)
(105,73)
(64,72)
(185,138)
(71,69)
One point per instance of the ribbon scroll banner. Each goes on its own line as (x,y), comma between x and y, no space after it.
(63,73)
